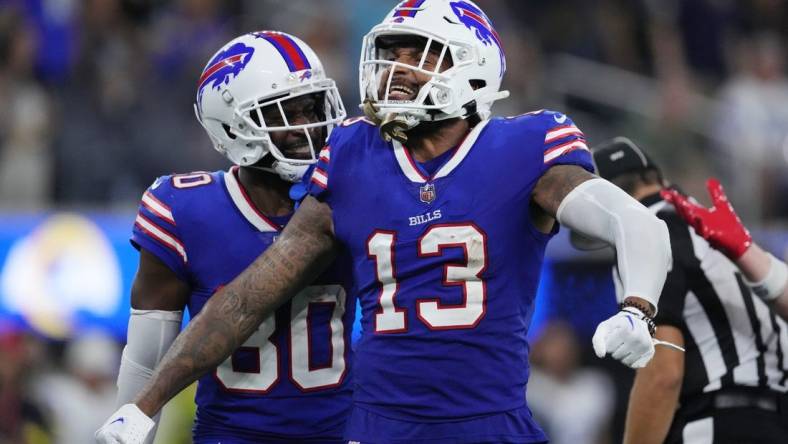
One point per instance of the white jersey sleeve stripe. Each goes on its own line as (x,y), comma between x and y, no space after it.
(319,177)
(560,150)
(162,236)
(157,207)
(325,154)
(562,131)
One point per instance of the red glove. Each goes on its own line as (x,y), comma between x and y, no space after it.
(719,224)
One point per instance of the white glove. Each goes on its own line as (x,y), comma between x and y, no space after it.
(626,337)
(126,426)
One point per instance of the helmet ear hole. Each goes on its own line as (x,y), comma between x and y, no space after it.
(477,83)
(255,118)
(227,131)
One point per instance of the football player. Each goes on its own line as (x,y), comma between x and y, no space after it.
(446,213)
(268,106)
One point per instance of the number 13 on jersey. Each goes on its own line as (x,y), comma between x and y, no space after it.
(435,315)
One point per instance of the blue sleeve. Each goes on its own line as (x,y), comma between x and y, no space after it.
(320,179)
(156,227)
(564,143)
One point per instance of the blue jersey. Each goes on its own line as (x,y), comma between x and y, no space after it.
(290,380)
(446,266)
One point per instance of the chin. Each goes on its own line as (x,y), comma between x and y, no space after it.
(298,155)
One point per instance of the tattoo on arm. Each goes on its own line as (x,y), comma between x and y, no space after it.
(304,249)
(556,183)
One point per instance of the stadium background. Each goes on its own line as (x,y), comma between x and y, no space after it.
(96,102)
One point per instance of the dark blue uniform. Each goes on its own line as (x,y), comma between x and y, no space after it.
(290,382)
(446,262)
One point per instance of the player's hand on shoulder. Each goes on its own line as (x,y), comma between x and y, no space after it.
(627,336)
(128,425)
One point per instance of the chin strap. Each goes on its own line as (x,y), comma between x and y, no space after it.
(371,111)
(392,127)
(285,171)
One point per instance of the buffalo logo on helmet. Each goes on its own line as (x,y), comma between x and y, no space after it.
(226,65)
(427,193)
(474,18)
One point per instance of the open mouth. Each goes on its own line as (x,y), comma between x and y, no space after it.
(401,93)
(300,151)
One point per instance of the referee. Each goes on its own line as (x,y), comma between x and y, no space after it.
(730,385)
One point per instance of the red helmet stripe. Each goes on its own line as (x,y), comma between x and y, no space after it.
(294,57)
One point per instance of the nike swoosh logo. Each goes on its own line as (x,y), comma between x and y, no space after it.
(561,119)
(120,420)
(631,324)
(156,183)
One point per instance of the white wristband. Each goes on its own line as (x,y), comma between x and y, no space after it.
(773,285)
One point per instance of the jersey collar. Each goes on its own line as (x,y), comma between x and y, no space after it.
(244,204)
(415,174)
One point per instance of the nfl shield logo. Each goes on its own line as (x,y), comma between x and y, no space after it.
(427,193)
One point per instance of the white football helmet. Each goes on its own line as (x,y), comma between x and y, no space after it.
(462,32)
(261,70)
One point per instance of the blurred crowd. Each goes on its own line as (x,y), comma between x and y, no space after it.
(98,93)
(54,392)
(97,102)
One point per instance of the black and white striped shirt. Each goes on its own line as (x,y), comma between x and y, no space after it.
(732,338)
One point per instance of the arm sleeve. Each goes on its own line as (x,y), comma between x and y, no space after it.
(150,335)
(599,209)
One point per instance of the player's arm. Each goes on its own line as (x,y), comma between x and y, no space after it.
(599,209)
(595,207)
(158,297)
(766,275)
(655,392)
(305,248)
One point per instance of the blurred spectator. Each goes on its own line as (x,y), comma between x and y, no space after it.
(22,421)
(97,106)
(25,156)
(703,25)
(751,128)
(126,113)
(326,29)
(573,404)
(80,398)
(185,34)
(122,73)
